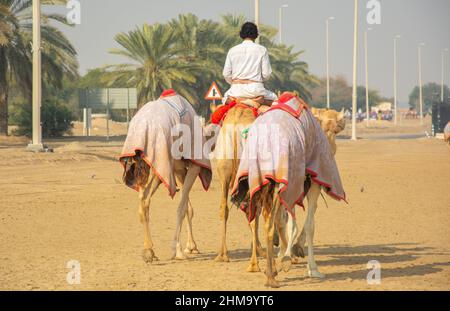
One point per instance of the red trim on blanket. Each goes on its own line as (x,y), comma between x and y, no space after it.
(281,104)
(299,201)
(267,178)
(314,176)
(166,184)
(168,93)
(221,113)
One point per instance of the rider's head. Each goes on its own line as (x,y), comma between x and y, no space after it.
(249,31)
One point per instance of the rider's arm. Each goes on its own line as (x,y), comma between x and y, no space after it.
(266,68)
(227,70)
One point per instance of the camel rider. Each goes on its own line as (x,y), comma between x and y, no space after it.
(247,67)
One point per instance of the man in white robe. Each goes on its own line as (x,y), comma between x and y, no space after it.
(247,67)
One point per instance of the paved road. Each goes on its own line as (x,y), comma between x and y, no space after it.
(387,136)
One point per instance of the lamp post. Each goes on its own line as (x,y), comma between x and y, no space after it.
(327,24)
(36,144)
(367,76)
(257,16)
(395,78)
(420,81)
(444,51)
(355,67)
(280,21)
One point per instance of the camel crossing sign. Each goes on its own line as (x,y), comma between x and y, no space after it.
(213,93)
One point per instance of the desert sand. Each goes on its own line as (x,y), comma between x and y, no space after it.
(71,205)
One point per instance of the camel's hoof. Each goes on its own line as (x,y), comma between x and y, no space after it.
(298,251)
(149,256)
(191,251)
(315,274)
(295,260)
(222,258)
(253,268)
(179,255)
(286,263)
(271,282)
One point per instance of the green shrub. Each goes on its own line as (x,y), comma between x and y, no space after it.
(55,117)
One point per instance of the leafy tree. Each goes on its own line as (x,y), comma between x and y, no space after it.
(431,94)
(374,98)
(341,95)
(56,118)
(58,55)
(156,63)
(188,53)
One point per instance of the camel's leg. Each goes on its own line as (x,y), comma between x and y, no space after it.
(259,249)
(280,224)
(191,246)
(254,266)
(225,177)
(145,194)
(292,232)
(298,249)
(270,212)
(180,172)
(191,175)
(313,196)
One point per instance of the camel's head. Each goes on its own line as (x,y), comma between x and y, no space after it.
(331,122)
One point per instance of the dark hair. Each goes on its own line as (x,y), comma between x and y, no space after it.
(249,30)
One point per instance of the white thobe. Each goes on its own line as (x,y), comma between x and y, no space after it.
(248,61)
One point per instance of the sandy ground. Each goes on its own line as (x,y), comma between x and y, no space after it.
(71,205)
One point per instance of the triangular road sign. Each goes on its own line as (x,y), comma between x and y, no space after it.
(213,93)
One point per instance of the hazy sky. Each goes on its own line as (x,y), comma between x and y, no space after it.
(303,26)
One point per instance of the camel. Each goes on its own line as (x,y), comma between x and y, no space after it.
(227,153)
(278,168)
(332,123)
(186,172)
(149,161)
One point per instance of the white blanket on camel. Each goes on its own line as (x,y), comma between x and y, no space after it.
(285,145)
(151,133)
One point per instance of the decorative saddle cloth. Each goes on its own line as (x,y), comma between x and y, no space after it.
(150,136)
(285,145)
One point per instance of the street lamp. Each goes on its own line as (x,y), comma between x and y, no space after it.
(36,144)
(367,76)
(355,67)
(420,81)
(280,21)
(257,16)
(444,51)
(327,23)
(395,78)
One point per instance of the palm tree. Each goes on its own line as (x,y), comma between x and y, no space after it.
(202,42)
(58,55)
(156,63)
(289,73)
